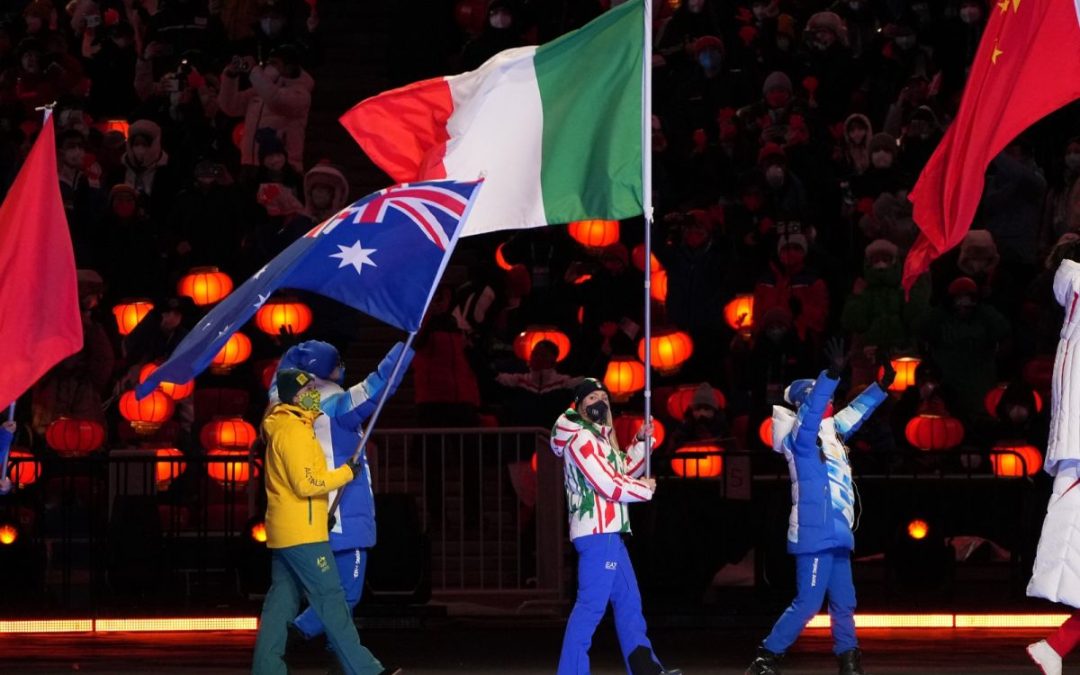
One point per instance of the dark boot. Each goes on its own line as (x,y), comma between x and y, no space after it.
(851,663)
(765,663)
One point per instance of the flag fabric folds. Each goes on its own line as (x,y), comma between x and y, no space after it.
(1027,66)
(40,322)
(382,255)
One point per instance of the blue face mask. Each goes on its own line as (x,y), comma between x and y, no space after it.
(709,60)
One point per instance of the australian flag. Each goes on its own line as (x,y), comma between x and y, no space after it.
(382,255)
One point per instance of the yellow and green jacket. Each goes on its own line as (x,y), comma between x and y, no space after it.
(297,480)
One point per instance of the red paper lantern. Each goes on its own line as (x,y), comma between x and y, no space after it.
(670,349)
(638,258)
(527,340)
(934,432)
(167,468)
(625,376)
(258,532)
(205,285)
(176,392)
(129,313)
(658,286)
(739,313)
(24,470)
(627,425)
(74,437)
(147,416)
(237,470)
(227,433)
(765,432)
(500,259)
(277,315)
(1016,461)
(680,399)
(236,351)
(8,534)
(706,466)
(905,367)
(918,529)
(993,398)
(595,234)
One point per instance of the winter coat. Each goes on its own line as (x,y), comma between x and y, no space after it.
(1011,207)
(324,173)
(600,480)
(297,478)
(1064,442)
(822,490)
(442,373)
(877,311)
(338,431)
(281,105)
(778,288)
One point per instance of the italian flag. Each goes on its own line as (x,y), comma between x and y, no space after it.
(555,130)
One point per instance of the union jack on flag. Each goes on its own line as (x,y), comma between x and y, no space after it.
(382,255)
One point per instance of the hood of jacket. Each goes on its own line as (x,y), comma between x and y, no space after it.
(326,174)
(569,424)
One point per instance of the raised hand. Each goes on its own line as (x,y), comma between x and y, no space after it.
(836,354)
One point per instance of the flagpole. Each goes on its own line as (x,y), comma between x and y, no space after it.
(647,209)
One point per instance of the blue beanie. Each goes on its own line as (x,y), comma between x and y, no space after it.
(797,392)
(313,356)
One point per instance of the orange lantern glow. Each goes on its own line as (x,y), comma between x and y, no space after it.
(524,343)
(237,470)
(147,416)
(74,437)
(167,468)
(934,432)
(500,259)
(292,316)
(765,432)
(905,367)
(993,398)
(532,463)
(129,313)
(8,534)
(595,233)
(25,470)
(625,377)
(258,533)
(658,284)
(680,400)
(638,257)
(205,285)
(1016,461)
(627,425)
(670,350)
(739,313)
(918,529)
(236,351)
(237,135)
(176,392)
(227,433)
(122,126)
(705,466)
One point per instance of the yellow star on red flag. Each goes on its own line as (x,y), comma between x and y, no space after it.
(997,52)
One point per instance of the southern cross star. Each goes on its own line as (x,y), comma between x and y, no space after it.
(355,255)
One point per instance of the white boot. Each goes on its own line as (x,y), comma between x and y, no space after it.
(1045,657)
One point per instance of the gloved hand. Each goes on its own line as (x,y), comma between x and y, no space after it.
(356,466)
(836,353)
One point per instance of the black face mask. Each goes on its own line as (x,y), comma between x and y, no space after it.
(597,412)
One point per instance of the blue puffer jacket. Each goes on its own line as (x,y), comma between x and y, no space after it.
(822,490)
(340,427)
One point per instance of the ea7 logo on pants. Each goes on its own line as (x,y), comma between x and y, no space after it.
(323,565)
(611,565)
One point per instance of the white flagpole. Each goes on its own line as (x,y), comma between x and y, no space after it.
(647,208)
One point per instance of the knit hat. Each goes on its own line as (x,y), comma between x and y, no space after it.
(312,356)
(883,141)
(797,391)
(777,80)
(704,396)
(829,21)
(771,153)
(706,42)
(289,382)
(587,386)
(882,247)
(963,286)
(122,189)
(978,245)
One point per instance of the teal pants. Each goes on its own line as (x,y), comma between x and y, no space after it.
(308,569)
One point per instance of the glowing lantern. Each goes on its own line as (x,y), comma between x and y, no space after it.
(258,533)
(25,470)
(176,392)
(532,463)
(238,135)
(934,432)
(993,398)
(237,470)
(765,432)
(500,259)
(291,315)
(205,285)
(167,469)
(146,416)
(658,286)
(918,529)
(227,432)
(625,376)
(739,313)
(626,427)
(595,233)
(8,534)
(524,343)
(129,313)
(236,351)
(121,126)
(1016,461)
(905,373)
(670,349)
(74,437)
(705,466)
(638,257)
(680,400)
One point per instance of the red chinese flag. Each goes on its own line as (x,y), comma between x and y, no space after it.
(40,323)
(1027,66)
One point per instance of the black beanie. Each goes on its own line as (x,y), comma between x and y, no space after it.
(587,386)
(290,381)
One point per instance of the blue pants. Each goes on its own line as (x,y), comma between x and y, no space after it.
(818,574)
(351,565)
(606,575)
(308,569)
